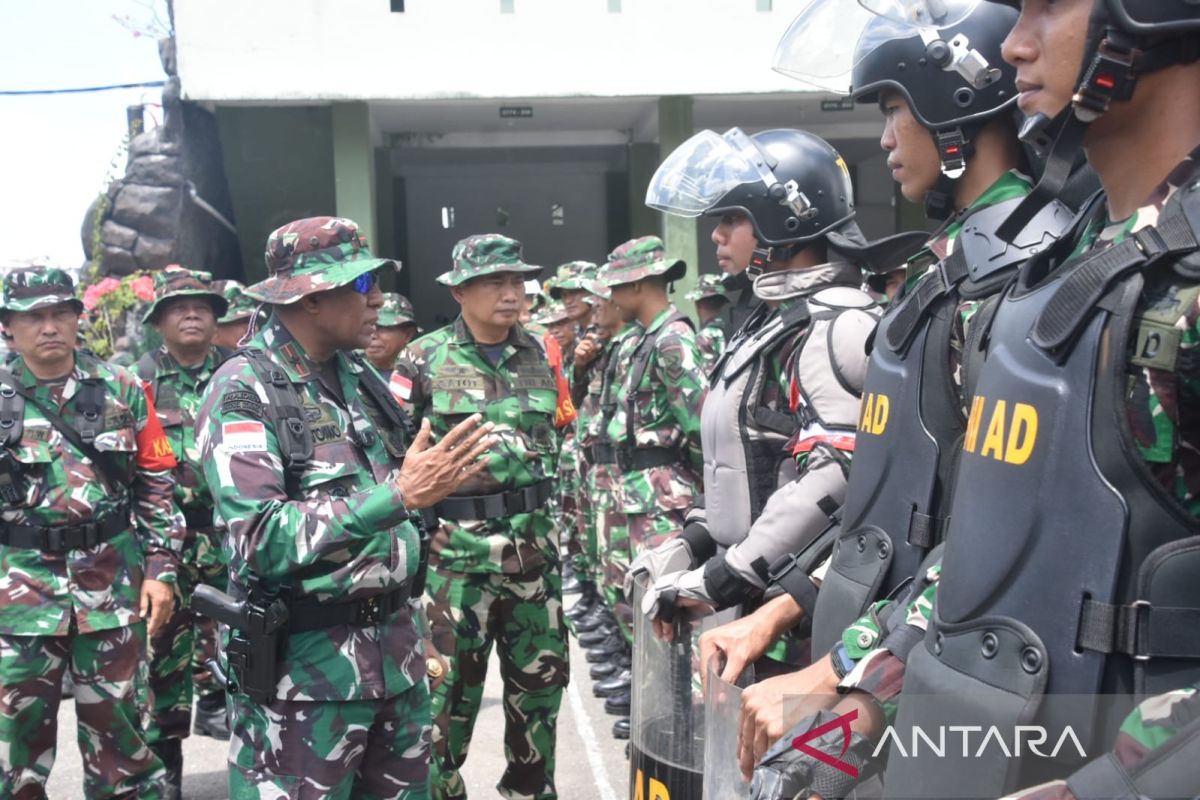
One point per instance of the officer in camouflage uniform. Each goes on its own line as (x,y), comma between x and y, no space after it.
(495,564)
(185,313)
(305,453)
(239,314)
(570,286)
(650,441)
(89,547)
(394,329)
(710,297)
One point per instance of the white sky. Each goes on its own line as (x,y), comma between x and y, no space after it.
(56,149)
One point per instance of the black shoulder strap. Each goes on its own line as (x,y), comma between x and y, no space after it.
(1089,280)
(286,411)
(78,438)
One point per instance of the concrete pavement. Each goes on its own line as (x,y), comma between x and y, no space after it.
(591,764)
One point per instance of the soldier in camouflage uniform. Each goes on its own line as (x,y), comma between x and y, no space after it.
(394,329)
(185,313)
(332,532)
(89,547)
(495,563)
(650,441)
(710,297)
(238,317)
(570,286)
(596,368)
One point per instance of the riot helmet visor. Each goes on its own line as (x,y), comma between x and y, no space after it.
(704,169)
(932,14)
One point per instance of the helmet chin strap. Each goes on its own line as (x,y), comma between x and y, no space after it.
(762,256)
(954,148)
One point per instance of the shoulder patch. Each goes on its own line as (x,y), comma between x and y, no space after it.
(242,402)
(244,437)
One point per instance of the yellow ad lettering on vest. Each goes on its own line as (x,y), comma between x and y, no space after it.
(1008,435)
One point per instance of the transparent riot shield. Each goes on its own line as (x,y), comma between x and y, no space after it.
(667,716)
(722,712)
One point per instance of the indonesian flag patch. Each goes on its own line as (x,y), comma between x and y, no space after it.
(401,387)
(244,436)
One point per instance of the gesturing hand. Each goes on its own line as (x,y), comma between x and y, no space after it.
(430,473)
(586,351)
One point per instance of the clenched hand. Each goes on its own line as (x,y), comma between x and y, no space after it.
(157,602)
(430,473)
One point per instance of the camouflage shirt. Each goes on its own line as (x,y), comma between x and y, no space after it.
(176,393)
(526,396)
(98,588)
(663,410)
(341,533)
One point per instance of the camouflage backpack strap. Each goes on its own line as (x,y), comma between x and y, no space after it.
(286,412)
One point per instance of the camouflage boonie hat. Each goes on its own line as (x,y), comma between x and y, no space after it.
(570,276)
(708,286)
(485,254)
(639,259)
(553,312)
(594,289)
(241,305)
(314,255)
(36,287)
(396,310)
(176,281)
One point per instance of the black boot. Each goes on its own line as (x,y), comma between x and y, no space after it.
(615,685)
(605,669)
(212,718)
(170,753)
(595,637)
(618,704)
(594,619)
(607,650)
(621,730)
(571,583)
(587,601)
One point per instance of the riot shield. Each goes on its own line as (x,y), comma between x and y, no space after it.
(722,709)
(667,714)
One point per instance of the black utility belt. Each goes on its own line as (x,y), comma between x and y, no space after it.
(61,538)
(500,504)
(631,458)
(307,615)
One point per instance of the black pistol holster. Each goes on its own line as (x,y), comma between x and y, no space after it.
(258,628)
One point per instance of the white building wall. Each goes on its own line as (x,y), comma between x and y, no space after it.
(305,50)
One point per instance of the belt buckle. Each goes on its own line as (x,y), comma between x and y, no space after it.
(55,539)
(1140,623)
(91,535)
(370,612)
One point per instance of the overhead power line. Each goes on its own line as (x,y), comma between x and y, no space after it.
(82,89)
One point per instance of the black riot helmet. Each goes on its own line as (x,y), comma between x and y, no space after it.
(792,185)
(1126,39)
(942,56)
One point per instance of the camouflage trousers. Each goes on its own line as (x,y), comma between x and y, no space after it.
(360,749)
(521,615)
(587,562)
(180,651)
(108,668)
(622,537)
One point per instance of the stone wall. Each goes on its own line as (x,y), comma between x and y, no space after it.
(162,210)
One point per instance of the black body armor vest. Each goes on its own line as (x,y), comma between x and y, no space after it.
(1069,569)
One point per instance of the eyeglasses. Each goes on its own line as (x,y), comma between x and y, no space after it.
(364,283)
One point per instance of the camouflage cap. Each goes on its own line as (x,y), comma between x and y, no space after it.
(595,289)
(485,254)
(396,310)
(241,305)
(36,287)
(570,276)
(639,259)
(708,286)
(553,312)
(176,281)
(314,255)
